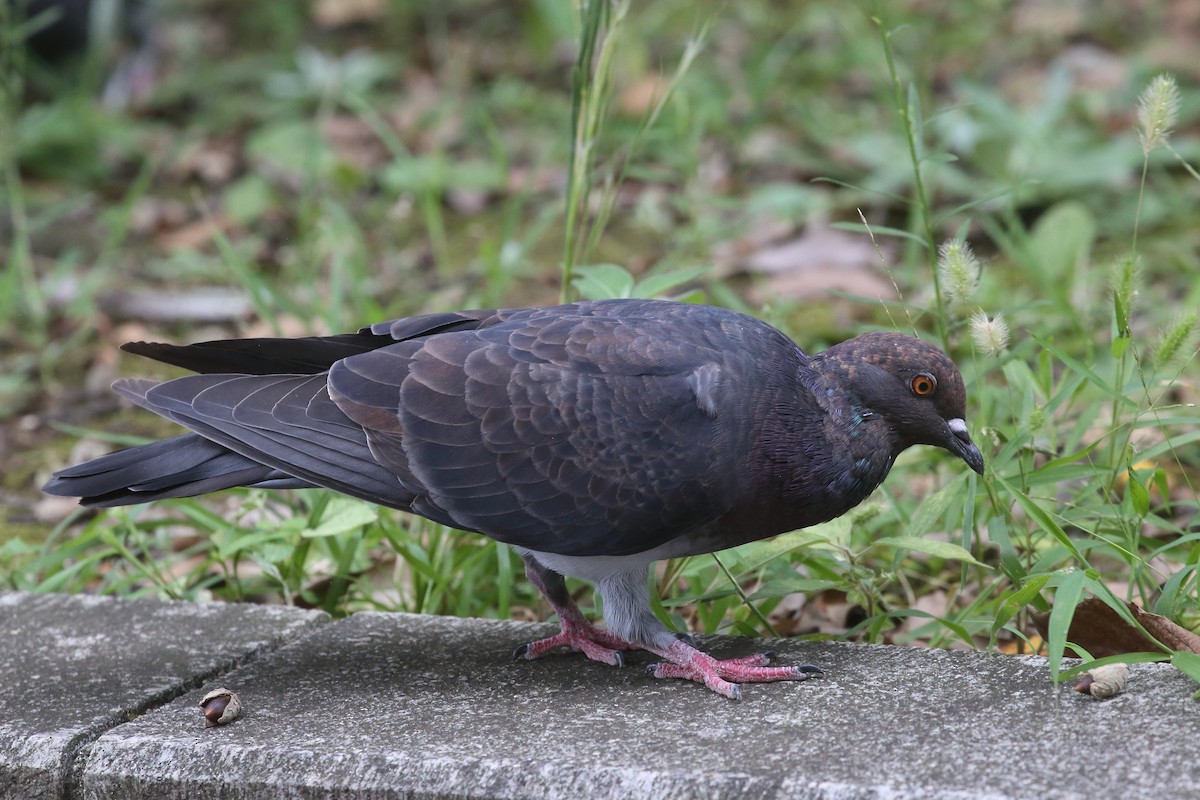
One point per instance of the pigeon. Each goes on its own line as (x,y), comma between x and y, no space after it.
(594,437)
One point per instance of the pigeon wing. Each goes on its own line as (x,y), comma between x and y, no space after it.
(569,433)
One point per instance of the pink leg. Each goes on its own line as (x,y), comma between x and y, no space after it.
(581,636)
(577,633)
(685,661)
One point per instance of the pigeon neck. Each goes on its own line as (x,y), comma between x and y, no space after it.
(823,456)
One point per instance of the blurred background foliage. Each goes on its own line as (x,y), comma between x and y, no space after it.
(202,168)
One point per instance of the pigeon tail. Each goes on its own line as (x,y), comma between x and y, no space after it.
(182,466)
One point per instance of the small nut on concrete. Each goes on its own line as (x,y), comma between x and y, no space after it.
(220,707)
(1103,682)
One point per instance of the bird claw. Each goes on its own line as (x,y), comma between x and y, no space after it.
(595,643)
(723,676)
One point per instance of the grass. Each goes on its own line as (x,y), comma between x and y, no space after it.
(440,168)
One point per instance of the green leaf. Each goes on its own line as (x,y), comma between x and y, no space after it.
(1172,599)
(1013,604)
(1069,458)
(247,199)
(656,285)
(419,175)
(1041,517)
(342,515)
(1066,598)
(1078,366)
(929,546)
(927,515)
(754,554)
(603,282)
(1124,279)
(1187,663)
(433,174)
(1138,494)
(1010,562)
(295,148)
(912,613)
(785,585)
(1062,238)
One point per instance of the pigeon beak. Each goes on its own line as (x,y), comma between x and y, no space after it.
(961,445)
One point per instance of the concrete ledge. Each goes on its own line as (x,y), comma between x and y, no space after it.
(74,667)
(399,706)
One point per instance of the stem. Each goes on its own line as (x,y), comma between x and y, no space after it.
(1137,214)
(23,294)
(922,200)
(591,92)
(593,20)
(737,587)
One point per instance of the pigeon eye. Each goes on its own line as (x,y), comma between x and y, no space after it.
(923,384)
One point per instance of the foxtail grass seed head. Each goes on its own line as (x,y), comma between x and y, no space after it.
(990,335)
(1124,283)
(1176,338)
(1037,417)
(958,269)
(1158,106)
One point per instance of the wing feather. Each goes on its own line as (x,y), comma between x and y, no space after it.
(570,432)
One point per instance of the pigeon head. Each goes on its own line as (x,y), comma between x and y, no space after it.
(911,384)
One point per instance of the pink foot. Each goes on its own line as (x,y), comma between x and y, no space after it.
(723,677)
(582,637)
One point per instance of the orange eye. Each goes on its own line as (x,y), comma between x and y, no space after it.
(923,384)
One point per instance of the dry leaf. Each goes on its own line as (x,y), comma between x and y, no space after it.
(194,235)
(197,304)
(935,604)
(340,13)
(355,142)
(821,260)
(1099,630)
(639,98)
(213,161)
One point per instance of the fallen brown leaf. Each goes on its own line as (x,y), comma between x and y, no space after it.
(195,304)
(339,13)
(1101,631)
(355,142)
(639,98)
(193,235)
(213,161)
(821,260)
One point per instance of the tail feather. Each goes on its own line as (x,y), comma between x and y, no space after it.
(287,422)
(182,466)
(307,356)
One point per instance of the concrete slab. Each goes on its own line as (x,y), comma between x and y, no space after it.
(73,667)
(396,706)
